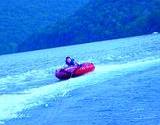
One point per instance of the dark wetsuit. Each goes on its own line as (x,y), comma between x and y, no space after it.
(72,63)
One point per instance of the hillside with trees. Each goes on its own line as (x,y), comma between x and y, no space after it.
(19,20)
(100,20)
(95,21)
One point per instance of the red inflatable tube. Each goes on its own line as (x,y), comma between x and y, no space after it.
(62,74)
(74,71)
(83,69)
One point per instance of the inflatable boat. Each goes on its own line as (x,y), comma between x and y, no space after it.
(74,71)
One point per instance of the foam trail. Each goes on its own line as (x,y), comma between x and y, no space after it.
(19,78)
(11,104)
(130,66)
(25,78)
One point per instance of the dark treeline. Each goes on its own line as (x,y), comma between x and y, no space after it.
(98,20)
(19,20)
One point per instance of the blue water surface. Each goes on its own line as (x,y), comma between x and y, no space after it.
(123,89)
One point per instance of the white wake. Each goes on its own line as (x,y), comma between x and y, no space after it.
(12,104)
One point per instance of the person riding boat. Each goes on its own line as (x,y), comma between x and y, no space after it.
(71,62)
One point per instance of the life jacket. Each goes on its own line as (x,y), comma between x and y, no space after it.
(71,63)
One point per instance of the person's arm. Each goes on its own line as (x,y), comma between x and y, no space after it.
(75,62)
